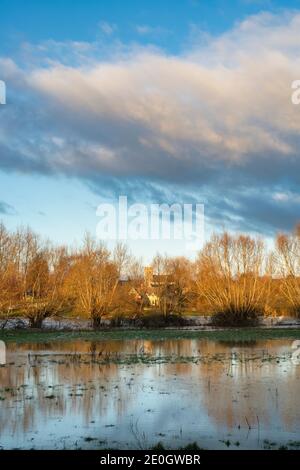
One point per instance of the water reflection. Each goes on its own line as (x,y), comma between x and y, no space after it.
(97,394)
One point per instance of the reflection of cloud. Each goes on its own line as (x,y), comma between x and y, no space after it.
(212,397)
(218,117)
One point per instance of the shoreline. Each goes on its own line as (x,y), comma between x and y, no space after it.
(189,322)
(234,335)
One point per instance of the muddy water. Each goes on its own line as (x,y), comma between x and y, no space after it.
(134,394)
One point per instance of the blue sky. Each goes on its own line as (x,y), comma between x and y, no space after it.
(164,101)
(78,20)
(172,22)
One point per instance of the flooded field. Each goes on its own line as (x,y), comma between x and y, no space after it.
(137,393)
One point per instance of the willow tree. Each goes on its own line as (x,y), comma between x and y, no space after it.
(95,277)
(288,264)
(10,279)
(233,279)
(45,295)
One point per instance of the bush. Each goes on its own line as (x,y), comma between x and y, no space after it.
(236,317)
(159,320)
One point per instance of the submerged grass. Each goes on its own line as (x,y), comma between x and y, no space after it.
(229,334)
(146,359)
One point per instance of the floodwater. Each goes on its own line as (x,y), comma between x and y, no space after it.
(134,394)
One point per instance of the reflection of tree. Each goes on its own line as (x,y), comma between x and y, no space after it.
(237,390)
(78,383)
(226,384)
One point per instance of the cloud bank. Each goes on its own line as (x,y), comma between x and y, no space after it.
(215,123)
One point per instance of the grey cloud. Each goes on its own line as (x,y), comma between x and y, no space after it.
(7,209)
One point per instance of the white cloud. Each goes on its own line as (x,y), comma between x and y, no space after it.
(233,110)
(107,28)
(145,29)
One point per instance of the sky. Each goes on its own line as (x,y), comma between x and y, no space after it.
(184,101)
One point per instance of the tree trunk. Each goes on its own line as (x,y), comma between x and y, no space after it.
(96,322)
(36,322)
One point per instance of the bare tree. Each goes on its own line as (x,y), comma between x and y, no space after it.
(132,294)
(95,277)
(172,283)
(9,276)
(45,295)
(232,278)
(288,265)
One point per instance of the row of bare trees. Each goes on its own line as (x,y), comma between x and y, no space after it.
(32,275)
(236,278)
(39,280)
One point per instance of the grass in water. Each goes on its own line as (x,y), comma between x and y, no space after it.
(229,334)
